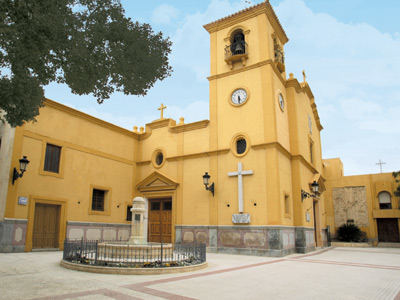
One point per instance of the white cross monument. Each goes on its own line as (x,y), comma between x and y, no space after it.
(240,174)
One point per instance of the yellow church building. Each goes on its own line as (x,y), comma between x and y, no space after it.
(241,182)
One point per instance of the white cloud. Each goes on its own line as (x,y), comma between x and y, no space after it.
(195,111)
(191,45)
(164,14)
(354,71)
(357,109)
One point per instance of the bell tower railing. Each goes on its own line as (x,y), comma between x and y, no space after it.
(237,51)
(279,59)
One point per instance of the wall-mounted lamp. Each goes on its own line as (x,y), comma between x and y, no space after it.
(206,181)
(304,194)
(23,162)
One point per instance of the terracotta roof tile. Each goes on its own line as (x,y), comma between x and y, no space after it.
(238,13)
(264,3)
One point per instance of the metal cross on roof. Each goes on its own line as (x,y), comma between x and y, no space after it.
(380,163)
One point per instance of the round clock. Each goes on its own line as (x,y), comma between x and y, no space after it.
(239,96)
(281,102)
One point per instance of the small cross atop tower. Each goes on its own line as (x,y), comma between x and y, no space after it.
(380,163)
(161,108)
(304,76)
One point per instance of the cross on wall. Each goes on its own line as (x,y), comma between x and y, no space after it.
(240,174)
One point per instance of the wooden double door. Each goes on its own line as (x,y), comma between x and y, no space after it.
(160,220)
(388,230)
(45,226)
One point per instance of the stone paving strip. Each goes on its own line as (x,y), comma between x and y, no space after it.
(332,273)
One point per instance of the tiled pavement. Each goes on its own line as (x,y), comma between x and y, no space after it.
(333,273)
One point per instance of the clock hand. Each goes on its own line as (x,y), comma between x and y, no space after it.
(239,99)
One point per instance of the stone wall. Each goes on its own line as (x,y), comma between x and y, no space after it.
(350,203)
(249,240)
(13,235)
(98,231)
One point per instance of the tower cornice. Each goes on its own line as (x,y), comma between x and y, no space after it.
(262,8)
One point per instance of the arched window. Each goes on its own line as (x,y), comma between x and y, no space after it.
(238,44)
(385,201)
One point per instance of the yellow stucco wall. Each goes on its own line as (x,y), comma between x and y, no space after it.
(94,154)
(373,183)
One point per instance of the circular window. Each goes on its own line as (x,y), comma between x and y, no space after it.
(158,158)
(240,144)
(281,102)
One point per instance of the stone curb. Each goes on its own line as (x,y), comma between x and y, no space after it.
(132,271)
(342,244)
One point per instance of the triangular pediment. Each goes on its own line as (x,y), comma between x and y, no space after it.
(155,182)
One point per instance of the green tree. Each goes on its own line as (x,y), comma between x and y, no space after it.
(397,180)
(87,44)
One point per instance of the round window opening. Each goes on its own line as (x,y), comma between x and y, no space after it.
(241,146)
(159,159)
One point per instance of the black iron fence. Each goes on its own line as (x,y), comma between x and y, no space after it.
(119,254)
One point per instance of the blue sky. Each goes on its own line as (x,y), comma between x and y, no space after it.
(349,49)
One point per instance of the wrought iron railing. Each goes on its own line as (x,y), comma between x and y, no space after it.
(117,254)
(279,56)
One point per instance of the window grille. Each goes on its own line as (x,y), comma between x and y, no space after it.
(98,200)
(241,146)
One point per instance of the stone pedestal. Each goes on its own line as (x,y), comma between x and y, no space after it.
(137,231)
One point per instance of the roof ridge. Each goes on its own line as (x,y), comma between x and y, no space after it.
(237,13)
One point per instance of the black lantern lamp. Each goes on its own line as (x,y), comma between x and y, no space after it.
(206,181)
(315,188)
(23,162)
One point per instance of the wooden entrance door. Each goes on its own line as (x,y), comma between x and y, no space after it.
(388,230)
(45,226)
(160,220)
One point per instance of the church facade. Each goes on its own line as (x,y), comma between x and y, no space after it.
(260,152)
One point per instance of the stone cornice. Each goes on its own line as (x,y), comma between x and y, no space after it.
(286,152)
(262,8)
(76,147)
(89,118)
(250,67)
(189,127)
(172,127)
(189,156)
(199,154)
(275,145)
(305,88)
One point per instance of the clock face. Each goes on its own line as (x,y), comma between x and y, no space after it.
(239,96)
(281,102)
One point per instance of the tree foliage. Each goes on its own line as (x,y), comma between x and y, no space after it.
(87,44)
(397,180)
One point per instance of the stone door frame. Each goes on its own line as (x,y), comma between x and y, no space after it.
(61,226)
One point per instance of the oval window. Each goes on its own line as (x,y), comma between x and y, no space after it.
(159,159)
(241,146)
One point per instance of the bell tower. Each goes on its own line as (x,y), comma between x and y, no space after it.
(247,75)
(248,118)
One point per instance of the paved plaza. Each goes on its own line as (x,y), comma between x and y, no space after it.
(332,273)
